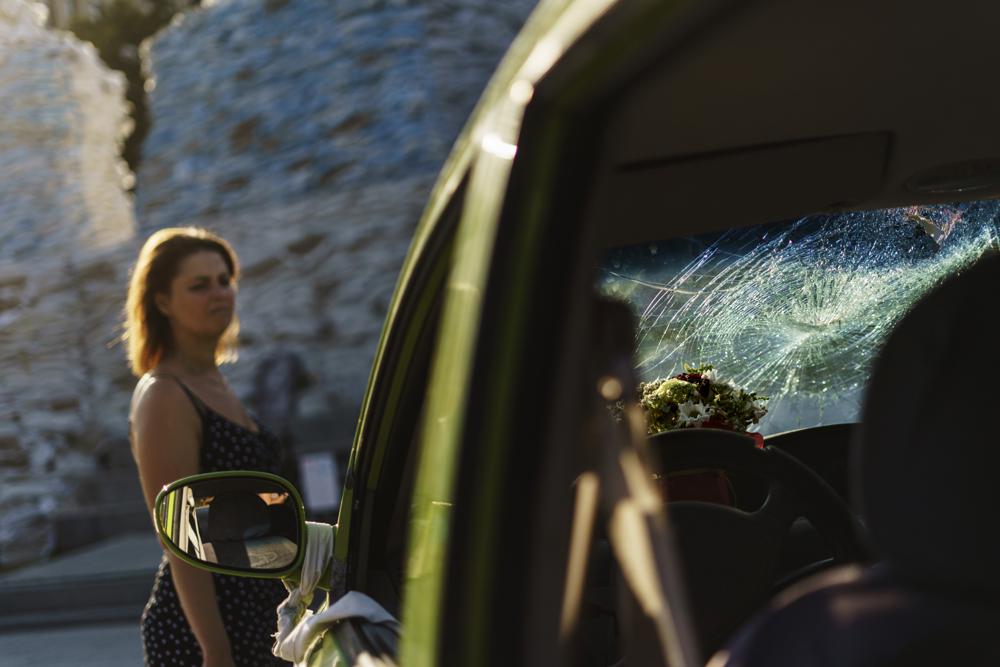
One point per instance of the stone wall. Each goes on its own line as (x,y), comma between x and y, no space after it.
(309,133)
(63,212)
(259,101)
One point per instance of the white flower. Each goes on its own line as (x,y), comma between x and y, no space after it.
(690,413)
(717,378)
(736,388)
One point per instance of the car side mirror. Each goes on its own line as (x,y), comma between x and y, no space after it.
(242,523)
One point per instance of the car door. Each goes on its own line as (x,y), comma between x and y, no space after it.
(488,551)
(593,119)
(373,522)
(355,642)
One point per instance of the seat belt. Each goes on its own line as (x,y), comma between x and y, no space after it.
(617,483)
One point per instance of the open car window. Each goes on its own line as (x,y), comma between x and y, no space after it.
(794,310)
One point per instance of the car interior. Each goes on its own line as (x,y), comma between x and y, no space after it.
(735,159)
(768,121)
(243,524)
(736,557)
(925,487)
(796,311)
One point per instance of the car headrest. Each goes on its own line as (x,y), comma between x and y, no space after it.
(927,455)
(237,517)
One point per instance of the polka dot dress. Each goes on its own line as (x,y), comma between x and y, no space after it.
(247,605)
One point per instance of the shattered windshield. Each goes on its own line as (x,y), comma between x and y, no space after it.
(795,310)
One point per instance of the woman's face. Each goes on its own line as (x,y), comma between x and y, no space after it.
(202,296)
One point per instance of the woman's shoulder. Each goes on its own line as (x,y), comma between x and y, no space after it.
(157,391)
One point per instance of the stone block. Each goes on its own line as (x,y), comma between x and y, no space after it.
(65,208)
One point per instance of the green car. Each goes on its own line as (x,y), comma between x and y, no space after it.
(762,186)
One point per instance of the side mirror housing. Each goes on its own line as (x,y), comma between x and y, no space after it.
(244,523)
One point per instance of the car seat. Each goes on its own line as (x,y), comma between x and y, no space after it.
(924,467)
(237,517)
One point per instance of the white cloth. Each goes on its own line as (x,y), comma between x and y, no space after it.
(298,627)
(319,551)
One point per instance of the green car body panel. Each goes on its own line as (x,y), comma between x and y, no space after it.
(499,114)
(485,148)
(554,28)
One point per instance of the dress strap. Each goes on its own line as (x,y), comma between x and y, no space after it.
(199,405)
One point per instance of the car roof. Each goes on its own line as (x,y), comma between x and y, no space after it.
(782,108)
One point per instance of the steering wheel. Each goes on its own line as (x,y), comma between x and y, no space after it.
(731,556)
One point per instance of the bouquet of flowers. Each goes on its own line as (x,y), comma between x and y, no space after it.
(699,398)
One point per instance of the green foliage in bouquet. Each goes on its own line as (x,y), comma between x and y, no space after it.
(698,398)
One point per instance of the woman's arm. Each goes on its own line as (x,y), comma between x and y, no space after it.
(166,430)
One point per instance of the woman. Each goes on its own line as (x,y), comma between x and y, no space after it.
(185,419)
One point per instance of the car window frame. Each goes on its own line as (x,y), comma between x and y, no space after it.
(380,432)
(562,118)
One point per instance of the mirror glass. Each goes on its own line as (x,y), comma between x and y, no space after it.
(243,523)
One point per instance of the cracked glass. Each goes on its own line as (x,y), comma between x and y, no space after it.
(794,310)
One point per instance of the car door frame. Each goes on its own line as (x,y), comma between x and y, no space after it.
(508,312)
